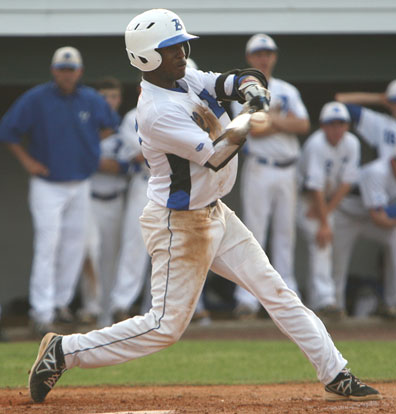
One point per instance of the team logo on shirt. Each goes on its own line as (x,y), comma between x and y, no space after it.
(199,147)
(84,116)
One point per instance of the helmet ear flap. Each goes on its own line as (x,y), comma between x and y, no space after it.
(151,60)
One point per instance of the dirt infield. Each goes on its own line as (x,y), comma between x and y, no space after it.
(268,399)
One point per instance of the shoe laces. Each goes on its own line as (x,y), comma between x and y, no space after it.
(53,379)
(351,378)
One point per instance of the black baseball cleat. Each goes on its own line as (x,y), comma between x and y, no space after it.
(48,367)
(346,386)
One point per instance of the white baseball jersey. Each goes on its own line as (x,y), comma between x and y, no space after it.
(281,146)
(175,157)
(379,131)
(378,184)
(117,148)
(324,167)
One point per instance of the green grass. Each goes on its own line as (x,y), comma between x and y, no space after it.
(209,362)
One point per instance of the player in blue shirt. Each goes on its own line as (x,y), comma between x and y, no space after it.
(64,122)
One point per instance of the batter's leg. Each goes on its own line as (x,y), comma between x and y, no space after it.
(241,259)
(181,247)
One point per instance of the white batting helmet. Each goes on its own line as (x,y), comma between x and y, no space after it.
(151,30)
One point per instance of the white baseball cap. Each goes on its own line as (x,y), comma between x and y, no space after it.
(67,57)
(260,42)
(334,111)
(391,91)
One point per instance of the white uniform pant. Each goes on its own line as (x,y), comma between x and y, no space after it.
(320,283)
(59,212)
(269,194)
(347,229)
(133,259)
(184,245)
(103,251)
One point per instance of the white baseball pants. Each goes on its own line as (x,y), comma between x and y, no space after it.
(347,229)
(269,195)
(106,222)
(133,258)
(60,213)
(184,245)
(320,283)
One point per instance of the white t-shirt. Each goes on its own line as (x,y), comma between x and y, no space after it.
(281,146)
(324,167)
(379,131)
(378,184)
(176,147)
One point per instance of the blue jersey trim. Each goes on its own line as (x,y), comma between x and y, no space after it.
(216,108)
(355,112)
(179,200)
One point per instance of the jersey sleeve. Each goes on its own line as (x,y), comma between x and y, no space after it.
(351,166)
(370,126)
(372,188)
(200,81)
(176,133)
(18,120)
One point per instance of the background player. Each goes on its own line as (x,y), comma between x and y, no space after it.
(370,213)
(376,128)
(186,228)
(133,258)
(62,120)
(327,168)
(269,189)
(108,189)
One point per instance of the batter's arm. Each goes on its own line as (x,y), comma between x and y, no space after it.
(31,165)
(229,143)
